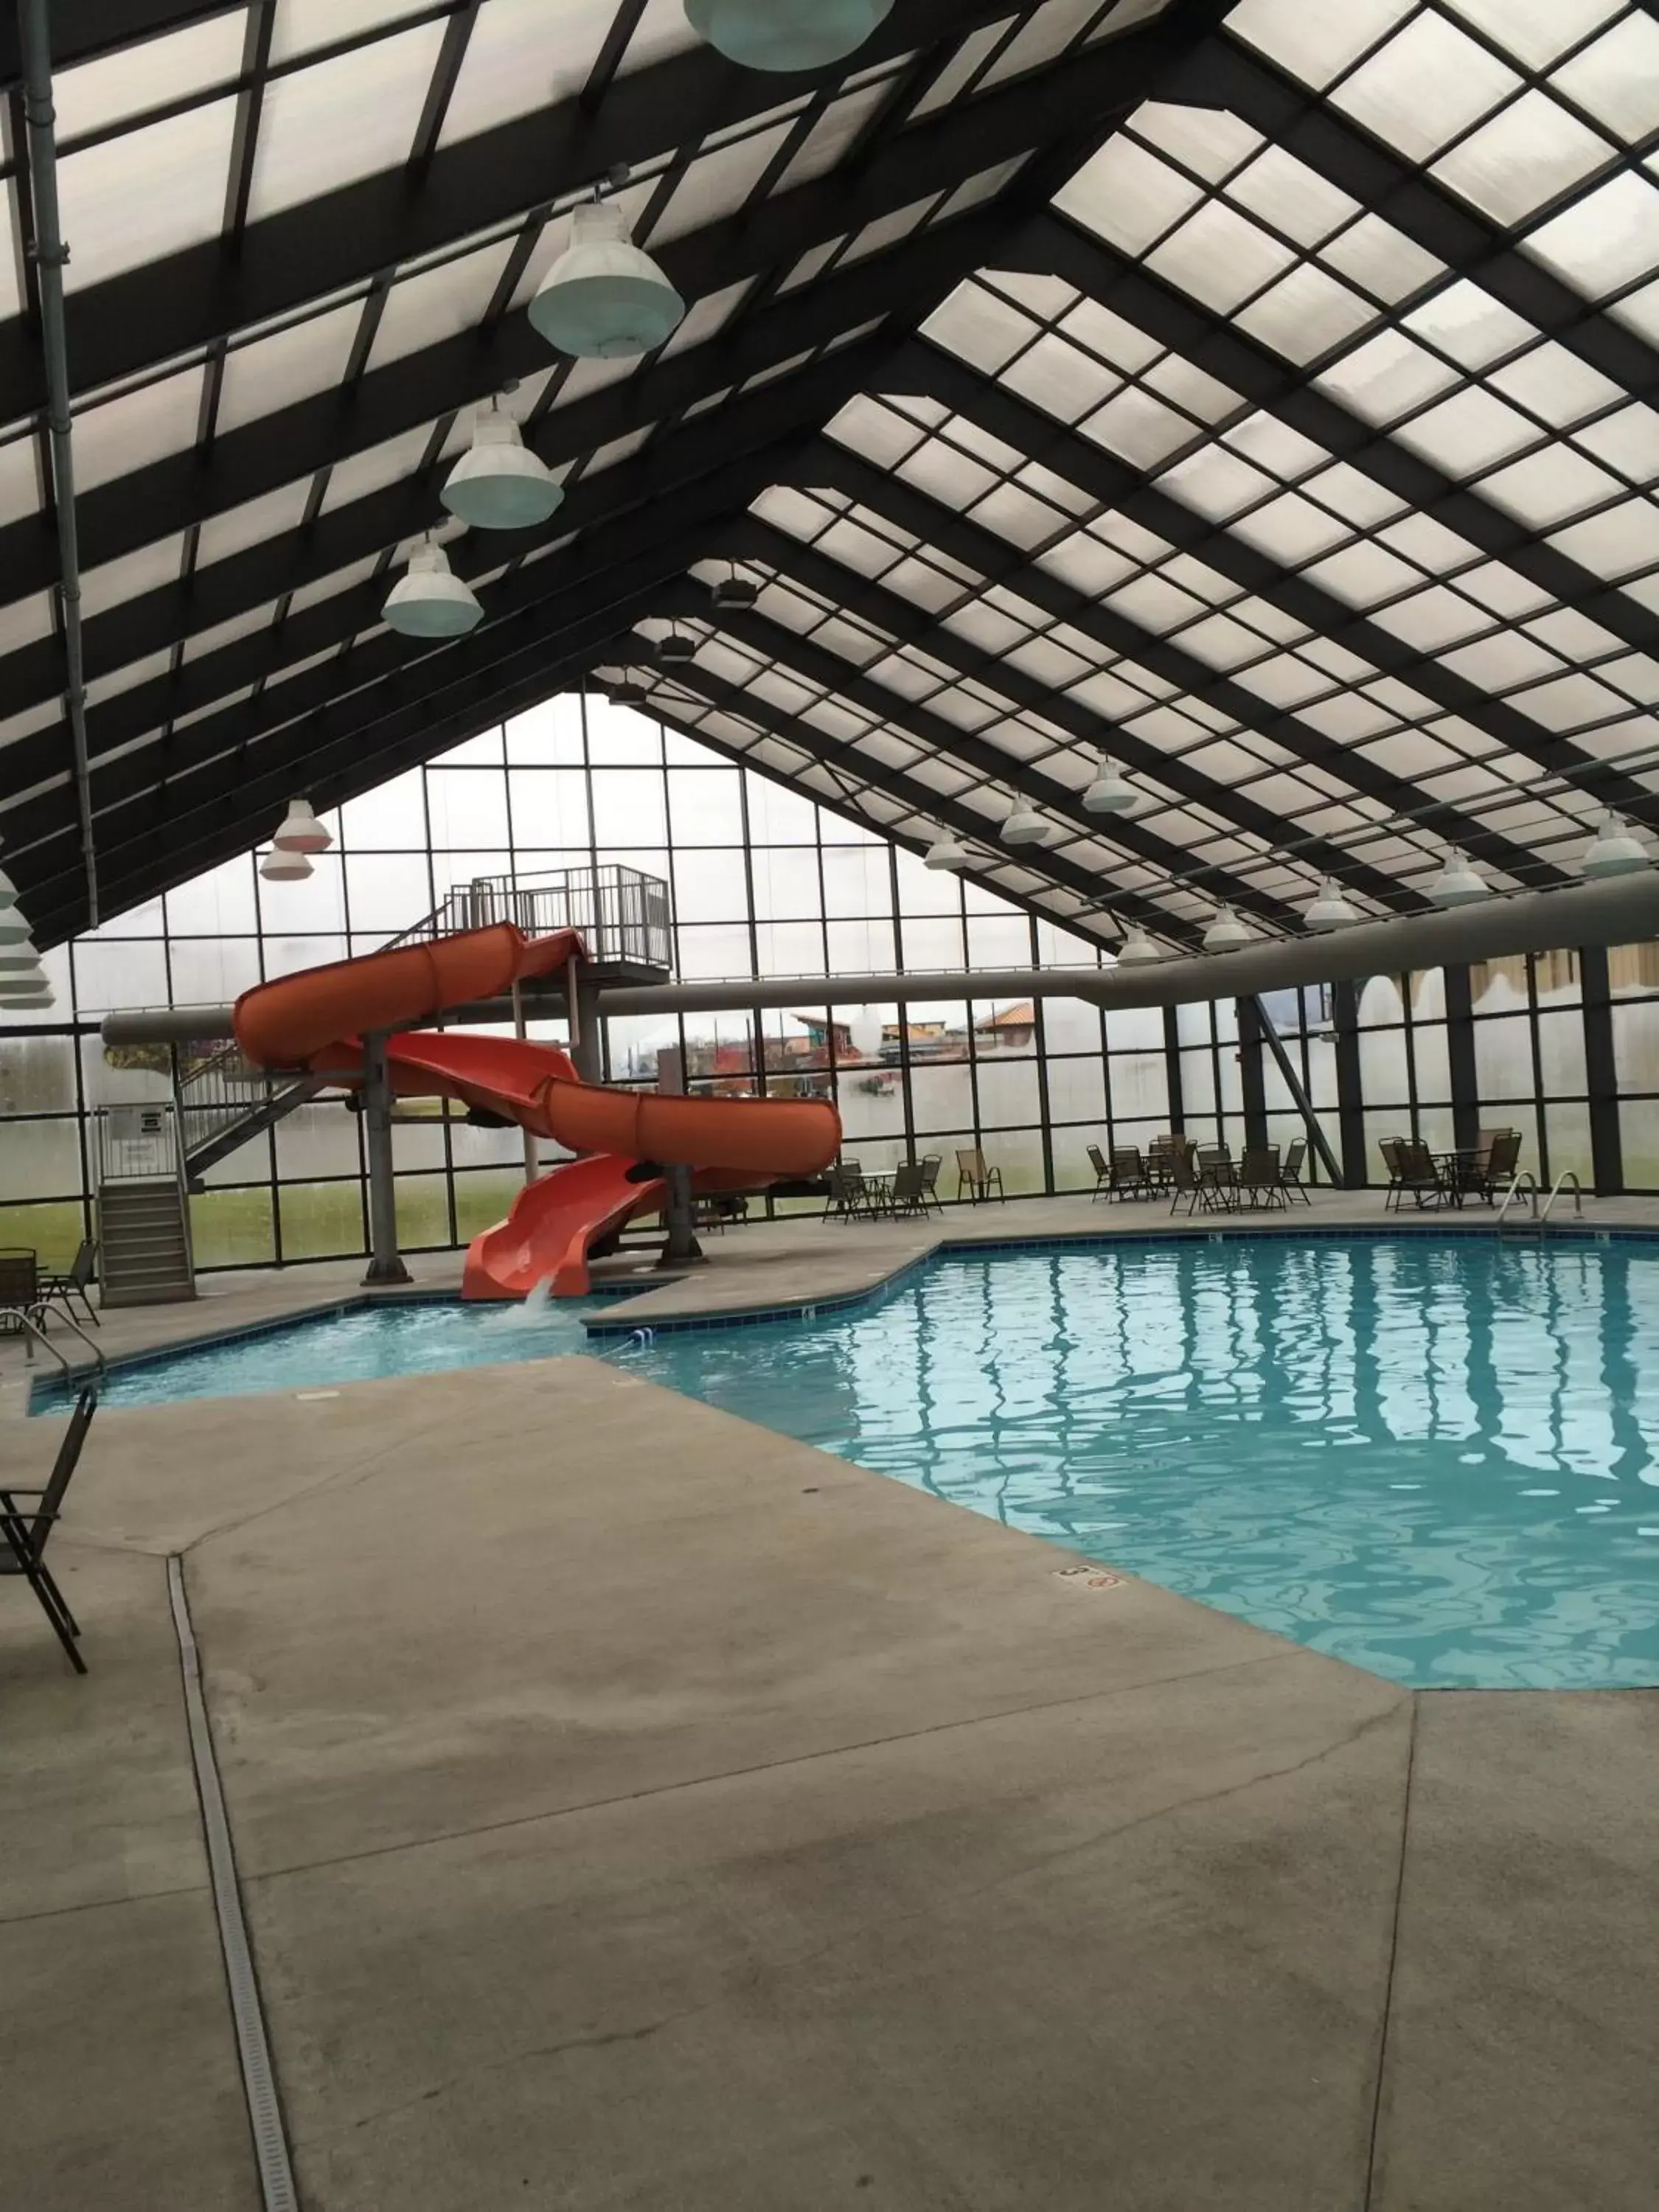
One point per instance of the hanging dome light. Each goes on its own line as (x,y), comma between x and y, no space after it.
(301,832)
(1458,883)
(14,925)
(1024,826)
(602,300)
(26,982)
(30,1001)
(632,691)
(945,854)
(428,601)
(16,957)
(1111,792)
(280,867)
(7,890)
(1330,910)
(676,650)
(787,34)
(498,483)
(1137,949)
(734,593)
(1226,933)
(1615,850)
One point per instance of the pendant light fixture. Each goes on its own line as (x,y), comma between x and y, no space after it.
(1615,850)
(1226,933)
(1459,882)
(301,832)
(1330,910)
(1111,792)
(498,483)
(1024,826)
(14,925)
(865,1033)
(7,890)
(26,983)
(786,35)
(280,867)
(734,594)
(17,959)
(632,691)
(428,601)
(602,300)
(1137,950)
(945,854)
(676,650)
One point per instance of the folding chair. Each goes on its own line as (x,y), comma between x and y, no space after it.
(1290,1176)
(930,1167)
(909,1194)
(1102,1173)
(1259,1174)
(1129,1177)
(70,1289)
(24,1530)
(974,1175)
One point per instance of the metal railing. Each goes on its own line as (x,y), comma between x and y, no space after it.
(144,1143)
(33,1333)
(622,916)
(1528,1184)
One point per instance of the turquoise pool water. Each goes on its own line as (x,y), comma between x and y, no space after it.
(1432,1457)
(416,1337)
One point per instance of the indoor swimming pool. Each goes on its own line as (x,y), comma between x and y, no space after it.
(1432,1456)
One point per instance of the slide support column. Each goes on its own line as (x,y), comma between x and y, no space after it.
(386,1263)
(682,1247)
(532,1156)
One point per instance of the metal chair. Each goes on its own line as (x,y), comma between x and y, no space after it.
(1494,1170)
(1103,1172)
(24,1529)
(1217,1178)
(975,1174)
(930,1167)
(1389,1147)
(909,1194)
(1290,1176)
(20,1295)
(1418,1175)
(1259,1175)
(1128,1176)
(847,1195)
(71,1290)
(1184,1178)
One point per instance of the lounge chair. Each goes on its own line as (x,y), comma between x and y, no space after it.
(975,1176)
(71,1290)
(1290,1176)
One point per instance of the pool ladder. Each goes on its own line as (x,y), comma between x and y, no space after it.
(1527,1181)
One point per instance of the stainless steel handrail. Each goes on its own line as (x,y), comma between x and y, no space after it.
(33,1333)
(1525,1181)
(1566,1175)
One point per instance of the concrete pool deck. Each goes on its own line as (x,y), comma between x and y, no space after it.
(636,1808)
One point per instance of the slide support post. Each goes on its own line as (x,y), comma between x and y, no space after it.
(532,1158)
(682,1247)
(385,1263)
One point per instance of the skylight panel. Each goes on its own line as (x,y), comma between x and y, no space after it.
(1216,483)
(1616,79)
(1605,240)
(1306,314)
(1428,83)
(1381,259)
(338,121)
(1292,529)
(1059,379)
(1315,43)
(1363,574)
(1467,432)
(1126,196)
(302,24)
(150,73)
(1212,142)
(980,327)
(1548,487)
(1555,383)
(1138,427)
(152,192)
(1628,441)
(1470,325)
(1123,345)
(1220,257)
(1386,377)
(1535,31)
(1531,152)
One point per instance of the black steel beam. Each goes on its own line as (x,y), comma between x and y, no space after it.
(1224,73)
(1252,1012)
(914,512)
(171,308)
(655,480)
(1128,492)
(902,619)
(283,447)
(839,755)
(816,665)
(1349,1085)
(1460,1051)
(1261,377)
(1601,1073)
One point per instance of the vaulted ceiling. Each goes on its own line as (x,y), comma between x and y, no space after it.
(1262,395)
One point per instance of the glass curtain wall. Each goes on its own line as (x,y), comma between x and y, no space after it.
(765,884)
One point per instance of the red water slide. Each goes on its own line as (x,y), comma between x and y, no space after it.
(317,1020)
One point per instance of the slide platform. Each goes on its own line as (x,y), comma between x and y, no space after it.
(317,1020)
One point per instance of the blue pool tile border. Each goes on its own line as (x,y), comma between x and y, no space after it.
(815,1309)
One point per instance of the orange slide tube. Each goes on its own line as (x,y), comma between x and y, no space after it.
(317,1020)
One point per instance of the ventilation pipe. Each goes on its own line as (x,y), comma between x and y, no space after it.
(50,253)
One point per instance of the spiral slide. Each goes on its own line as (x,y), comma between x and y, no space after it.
(317,1020)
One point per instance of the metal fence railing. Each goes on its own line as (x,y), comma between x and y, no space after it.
(621,915)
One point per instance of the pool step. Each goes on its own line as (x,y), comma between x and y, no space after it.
(144,1243)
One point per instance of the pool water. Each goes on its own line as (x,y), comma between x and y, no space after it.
(1432,1457)
(415,1336)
